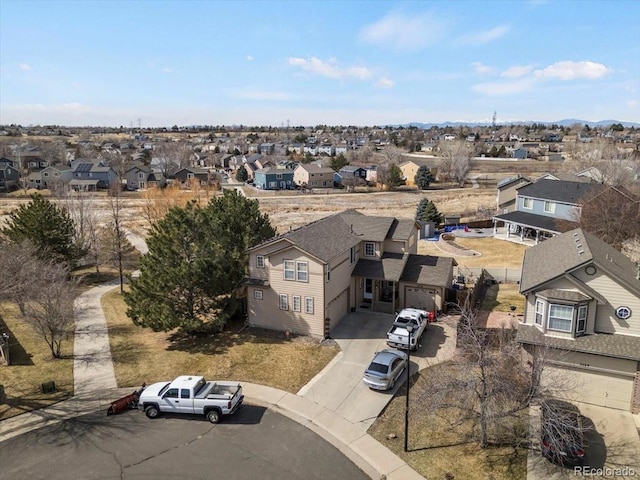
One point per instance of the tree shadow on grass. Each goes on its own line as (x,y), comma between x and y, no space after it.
(17,354)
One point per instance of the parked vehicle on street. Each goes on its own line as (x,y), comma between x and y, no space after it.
(384,369)
(563,431)
(191,394)
(398,335)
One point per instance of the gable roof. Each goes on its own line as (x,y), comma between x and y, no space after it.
(511,180)
(313,168)
(559,190)
(428,270)
(564,253)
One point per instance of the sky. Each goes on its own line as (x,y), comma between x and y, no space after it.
(305,63)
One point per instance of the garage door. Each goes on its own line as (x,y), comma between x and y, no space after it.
(604,389)
(419,298)
(338,307)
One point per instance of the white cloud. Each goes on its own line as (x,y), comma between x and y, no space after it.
(329,68)
(25,67)
(404,31)
(481,68)
(385,82)
(517,71)
(568,70)
(249,58)
(484,37)
(502,88)
(167,70)
(632,103)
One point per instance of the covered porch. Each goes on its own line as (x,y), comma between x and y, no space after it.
(528,228)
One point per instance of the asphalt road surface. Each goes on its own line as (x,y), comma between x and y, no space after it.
(255,443)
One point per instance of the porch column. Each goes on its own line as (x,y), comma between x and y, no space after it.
(508,225)
(522,234)
(495,228)
(537,236)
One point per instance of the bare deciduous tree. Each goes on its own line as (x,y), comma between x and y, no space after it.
(456,160)
(49,310)
(171,157)
(20,267)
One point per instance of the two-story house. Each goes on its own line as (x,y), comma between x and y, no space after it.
(187,176)
(56,175)
(546,207)
(307,280)
(143,176)
(410,168)
(507,189)
(272,178)
(9,177)
(311,175)
(89,174)
(582,315)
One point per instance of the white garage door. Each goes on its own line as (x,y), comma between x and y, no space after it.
(419,298)
(604,389)
(338,307)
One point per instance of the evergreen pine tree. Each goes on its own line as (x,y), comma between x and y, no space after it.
(423,177)
(48,227)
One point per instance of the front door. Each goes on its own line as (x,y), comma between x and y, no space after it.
(368,289)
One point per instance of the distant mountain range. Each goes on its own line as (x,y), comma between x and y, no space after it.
(565,123)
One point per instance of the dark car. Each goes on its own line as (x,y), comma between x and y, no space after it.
(563,432)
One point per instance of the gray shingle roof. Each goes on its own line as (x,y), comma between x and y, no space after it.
(560,190)
(542,222)
(373,229)
(390,267)
(564,253)
(609,345)
(428,270)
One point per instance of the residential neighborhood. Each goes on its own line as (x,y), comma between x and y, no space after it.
(347,250)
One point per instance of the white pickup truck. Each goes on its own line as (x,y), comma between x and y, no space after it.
(398,336)
(193,395)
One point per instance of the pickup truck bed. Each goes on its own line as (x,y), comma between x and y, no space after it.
(215,390)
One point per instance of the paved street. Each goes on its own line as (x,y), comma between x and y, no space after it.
(256,443)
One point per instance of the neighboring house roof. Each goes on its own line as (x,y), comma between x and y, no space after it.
(560,190)
(274,170)
(428,270)
(542,222)
(618,346)
(142,168)
(313,168)
(373,229)
(389,267)
(511,180)
(80,182)
(565,176)
(562,254)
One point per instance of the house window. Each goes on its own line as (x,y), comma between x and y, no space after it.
(539,312)
(284,302)
(308,304)
(549,207)
(289,270)
(527,203)
(369,249)
(560,317)
(257,294)
(328,273)
(141,176)
(260,261)
(302,270)
(278,175)
(190,175)
(297,303)
(352,254)
(581,325)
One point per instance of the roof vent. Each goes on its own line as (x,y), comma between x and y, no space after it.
(580,252)
(579,245)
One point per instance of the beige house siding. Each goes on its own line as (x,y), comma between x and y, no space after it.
(530,308)
(409,171)
(391,246)
(267,313)
(616,295)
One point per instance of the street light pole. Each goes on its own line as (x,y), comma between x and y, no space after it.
(406,407)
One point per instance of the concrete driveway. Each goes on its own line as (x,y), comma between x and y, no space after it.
(613,444)
(339,387)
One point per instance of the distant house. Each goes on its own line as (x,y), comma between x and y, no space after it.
(520,153)
(96,172)
(272,178)
(507,192)
(56,176)
(583,311)
(546,208)
(327,149)
(187,176)
(143,176)
(9,177)
(313,176)
(410,168)
(353,171)
(266,148)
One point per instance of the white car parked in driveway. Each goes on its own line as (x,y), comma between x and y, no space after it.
(384,369)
